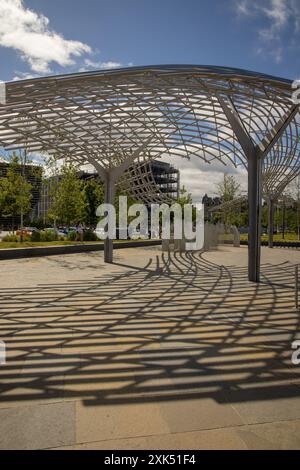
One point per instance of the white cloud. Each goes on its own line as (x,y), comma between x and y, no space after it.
(280,15)
(24,76)
(100,65)
(278,11)
(242,7)
(29,33)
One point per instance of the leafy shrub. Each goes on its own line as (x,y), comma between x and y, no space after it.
(48,236)
(36,236)
(89,236)
(11,237)
(26,237)
(72,235)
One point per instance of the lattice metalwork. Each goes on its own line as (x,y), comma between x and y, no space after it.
(278,172)
(233,204)
(112,119)
(106,116)
(140,183)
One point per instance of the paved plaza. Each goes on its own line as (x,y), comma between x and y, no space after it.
(152,352)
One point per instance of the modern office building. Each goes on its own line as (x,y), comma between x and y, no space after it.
(162,179)
(166,177)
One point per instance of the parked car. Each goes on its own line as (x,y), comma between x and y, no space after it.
(27,231)
(58,231)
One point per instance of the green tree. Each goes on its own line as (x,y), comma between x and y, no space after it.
(94,194)
(294,190)
(23,162)
(15,191)
(228,190)
(69,198)
(184,197)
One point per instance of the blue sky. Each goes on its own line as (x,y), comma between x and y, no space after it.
(42,37)
(56,36)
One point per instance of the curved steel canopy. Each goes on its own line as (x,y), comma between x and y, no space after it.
(113,118)
(105,116)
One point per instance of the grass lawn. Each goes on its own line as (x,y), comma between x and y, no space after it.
(288,237)
(28,244)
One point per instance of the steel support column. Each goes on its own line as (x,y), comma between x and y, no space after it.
(254,157)
(109,199)
(270,222)
(255,154)
(110,178)
(254,200)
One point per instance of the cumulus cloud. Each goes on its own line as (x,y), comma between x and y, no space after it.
(102,65)
(29,33)
(24,76)
(280,16)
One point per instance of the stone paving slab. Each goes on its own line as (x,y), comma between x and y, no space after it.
(283,435)
(149,352)
(37,426)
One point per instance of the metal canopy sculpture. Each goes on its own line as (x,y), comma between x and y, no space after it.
(111,119)
(139,182)
(277,173)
